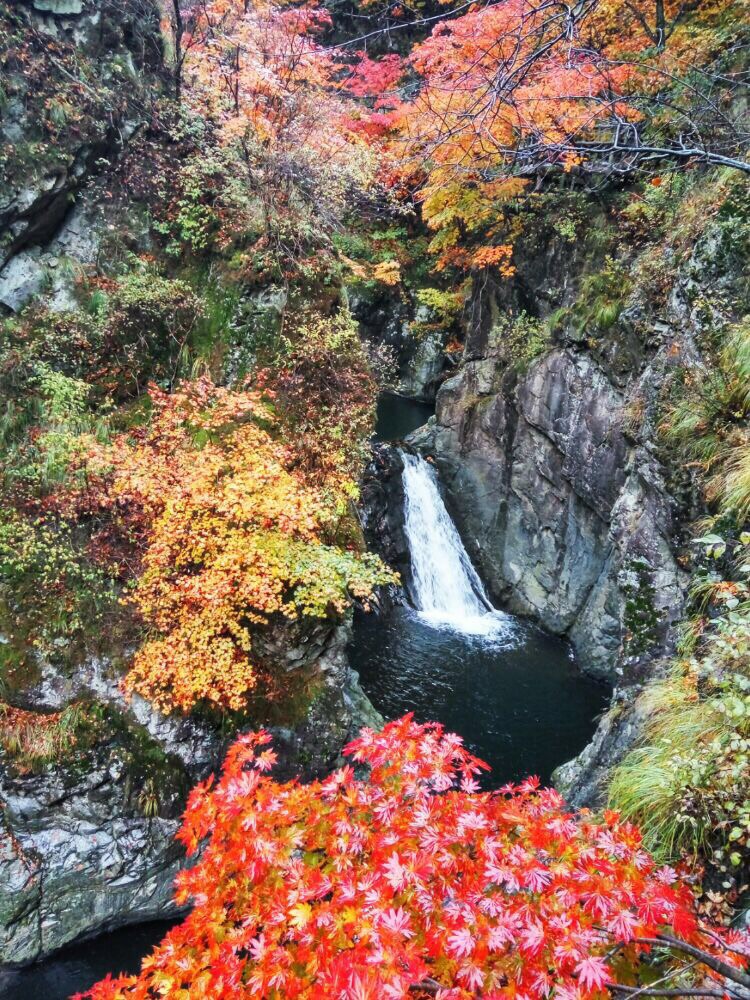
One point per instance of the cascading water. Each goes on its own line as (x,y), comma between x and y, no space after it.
(445,587)
(509,689)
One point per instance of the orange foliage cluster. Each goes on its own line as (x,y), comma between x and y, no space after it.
(487,105)
(230,536)
(509,88)
(410,883)
(258,70)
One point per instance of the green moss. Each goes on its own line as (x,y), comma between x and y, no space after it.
(156,783)
(641,618)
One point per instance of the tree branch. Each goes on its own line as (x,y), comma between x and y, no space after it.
(643,991)
(729,972)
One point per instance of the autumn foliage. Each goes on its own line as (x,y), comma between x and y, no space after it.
(259,72)
(407,883)
(228,535)
(500,96)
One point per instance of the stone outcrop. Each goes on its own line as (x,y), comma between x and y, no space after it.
(552,470)
(565,517)
(89,846)
(56,191)
(76,859)
(381,506)
(391,321)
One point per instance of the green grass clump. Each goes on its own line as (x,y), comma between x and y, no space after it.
(707,422)
(652,785)
(687,784)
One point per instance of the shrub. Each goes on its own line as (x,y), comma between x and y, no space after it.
(708,422)
(326,396)
(408,882)
(35,741)
(228,534)
(137,329)
(688,783)
(520,339)
(51,595)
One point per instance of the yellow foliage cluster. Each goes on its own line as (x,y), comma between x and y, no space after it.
(234,536)
(388,272)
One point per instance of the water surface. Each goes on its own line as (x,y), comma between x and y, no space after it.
(398,416)
(77,968)
(515,694)
(510,689)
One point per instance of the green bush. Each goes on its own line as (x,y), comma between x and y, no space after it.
(520,339)
(52,598)
(137,330)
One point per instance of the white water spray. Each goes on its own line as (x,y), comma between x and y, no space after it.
(445,585)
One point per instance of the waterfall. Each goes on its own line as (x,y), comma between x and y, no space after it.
(445,585)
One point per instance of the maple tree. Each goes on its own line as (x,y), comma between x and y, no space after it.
(412,883)
(225,534)
(512,92)
(259,74)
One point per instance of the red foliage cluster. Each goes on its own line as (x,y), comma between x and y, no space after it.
(407,883)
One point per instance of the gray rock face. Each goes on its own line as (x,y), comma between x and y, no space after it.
(382,505)
(61,8)
(554,480)
(421,373)
(557,508)
(73,863)
(61,208)
(77,854)
(583,779)
(390,321)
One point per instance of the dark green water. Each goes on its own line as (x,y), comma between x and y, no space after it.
(77,968)
(516,696)
(398,416)
(512,691)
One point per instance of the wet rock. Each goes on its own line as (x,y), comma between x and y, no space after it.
(89,846)
(391,321)
(552,500)
(77,858)
(52,206)
(583,780)
(381,508)
(21,279)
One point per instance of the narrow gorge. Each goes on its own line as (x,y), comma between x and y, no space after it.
(374,499)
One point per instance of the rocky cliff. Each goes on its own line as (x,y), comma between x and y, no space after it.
(78,84)
(565,517)
(554,468)
(87,845)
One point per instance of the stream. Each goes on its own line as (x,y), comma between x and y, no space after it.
(510,689)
